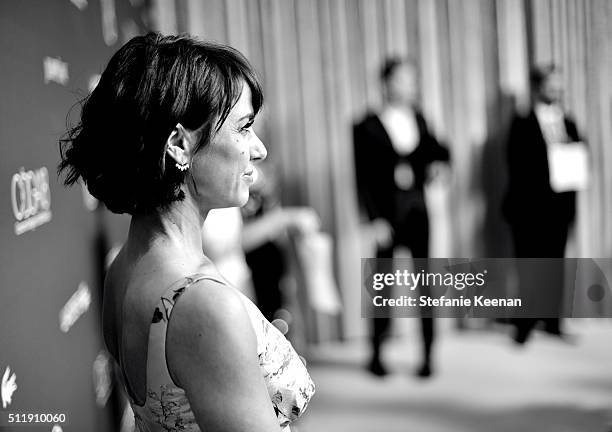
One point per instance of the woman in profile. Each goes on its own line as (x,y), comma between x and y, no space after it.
(167,136)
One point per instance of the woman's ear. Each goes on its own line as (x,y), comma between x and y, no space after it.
(180,145)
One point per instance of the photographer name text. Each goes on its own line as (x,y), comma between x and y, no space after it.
(442,301)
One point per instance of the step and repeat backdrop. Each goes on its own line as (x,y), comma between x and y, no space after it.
(55,373)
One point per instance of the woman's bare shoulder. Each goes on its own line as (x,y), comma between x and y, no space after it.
(211,344)
(209,302)
(210,326)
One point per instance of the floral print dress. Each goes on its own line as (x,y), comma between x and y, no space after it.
(166,407)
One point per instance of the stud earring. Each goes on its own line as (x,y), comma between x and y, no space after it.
(182,166)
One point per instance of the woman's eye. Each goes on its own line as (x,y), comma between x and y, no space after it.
(246,128)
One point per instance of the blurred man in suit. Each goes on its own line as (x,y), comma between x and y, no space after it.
(395,153)
(539,216)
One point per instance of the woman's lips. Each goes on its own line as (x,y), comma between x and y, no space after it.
(250,174)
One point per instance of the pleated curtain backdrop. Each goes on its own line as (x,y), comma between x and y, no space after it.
(319,60)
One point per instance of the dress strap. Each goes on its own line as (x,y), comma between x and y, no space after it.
(167,300)
(159,379)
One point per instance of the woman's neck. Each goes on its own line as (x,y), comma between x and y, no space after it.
(176,232)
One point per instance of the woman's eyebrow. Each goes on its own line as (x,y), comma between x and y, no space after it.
(249,116)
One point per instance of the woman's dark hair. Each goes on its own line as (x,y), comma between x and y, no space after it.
(152,83)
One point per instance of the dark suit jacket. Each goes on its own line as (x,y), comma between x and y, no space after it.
(376,159)
(530,199)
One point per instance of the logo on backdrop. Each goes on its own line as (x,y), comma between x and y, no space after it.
(8,387)
(80,4)
(109,22)
(76,306)
(102,377)
(31,199)
(55,70)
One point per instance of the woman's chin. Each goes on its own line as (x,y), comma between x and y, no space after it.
(237,199)
(241,198)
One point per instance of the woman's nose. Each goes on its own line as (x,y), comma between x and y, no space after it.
(258,150)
